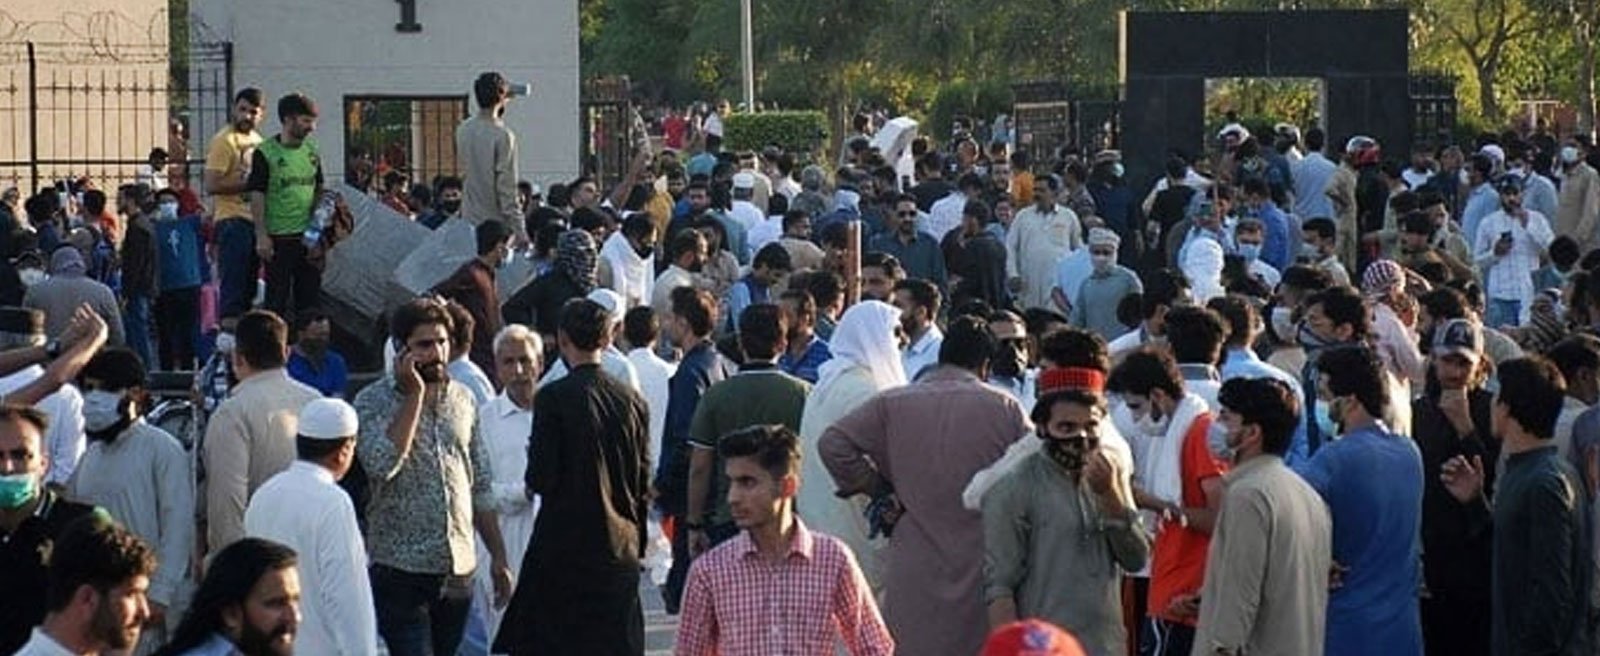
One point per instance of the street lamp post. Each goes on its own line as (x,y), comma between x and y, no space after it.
(747,54)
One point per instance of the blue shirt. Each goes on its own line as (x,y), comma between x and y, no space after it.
(1481,203)
(700,368)
(921,258)
(1372,481)
(1275,246)
(745,293)
(1243,363)
(181,253)
(805,367)
(328,376)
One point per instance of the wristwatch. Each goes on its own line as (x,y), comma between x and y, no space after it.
(52,349)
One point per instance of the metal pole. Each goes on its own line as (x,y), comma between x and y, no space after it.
(33,117)
(747,53)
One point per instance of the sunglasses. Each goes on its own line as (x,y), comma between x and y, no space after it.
(904,215)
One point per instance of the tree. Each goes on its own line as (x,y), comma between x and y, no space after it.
(1485,32)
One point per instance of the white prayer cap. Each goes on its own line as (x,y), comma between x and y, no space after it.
(328,419)
(609,300)
(1495,152)
(1104,237)
(744,180)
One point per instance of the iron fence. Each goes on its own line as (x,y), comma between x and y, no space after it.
(1433,108)
(606,119)
(96,110)
(414,136)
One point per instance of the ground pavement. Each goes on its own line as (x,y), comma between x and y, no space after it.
(660,629)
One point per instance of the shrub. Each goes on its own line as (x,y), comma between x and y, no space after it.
(798,131)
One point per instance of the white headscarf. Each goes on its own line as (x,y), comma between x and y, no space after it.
(1202,265)
(865,338)
(631,276)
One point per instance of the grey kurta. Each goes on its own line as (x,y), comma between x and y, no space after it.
(1266,589)
(1050,548)
(926,440)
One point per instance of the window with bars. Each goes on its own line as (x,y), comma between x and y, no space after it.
(414,135)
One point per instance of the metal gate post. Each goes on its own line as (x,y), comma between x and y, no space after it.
(33,119)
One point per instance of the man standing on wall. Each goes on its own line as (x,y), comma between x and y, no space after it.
(487,151)
(228,161)
(285,182)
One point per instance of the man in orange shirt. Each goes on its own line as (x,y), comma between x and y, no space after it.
(1182,481)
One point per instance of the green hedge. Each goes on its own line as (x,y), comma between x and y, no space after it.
(801,131)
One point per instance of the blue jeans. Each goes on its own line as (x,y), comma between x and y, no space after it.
(1500,313)
(136,328)
(420,614)
(237,265)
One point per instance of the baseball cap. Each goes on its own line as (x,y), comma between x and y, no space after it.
(1031,638)
(1509,183)
(1458,336)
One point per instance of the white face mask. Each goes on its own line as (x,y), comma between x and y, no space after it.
(1102,263)
(225,342)
(1569,154)
(169,211)
(1283,324)
(31,276)
(1466,178)
(1151,427)
(101,409)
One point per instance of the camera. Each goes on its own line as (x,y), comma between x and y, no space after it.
(521,89)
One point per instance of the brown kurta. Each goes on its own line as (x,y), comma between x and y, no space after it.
(926,440)
(1578,210)
(1342,190)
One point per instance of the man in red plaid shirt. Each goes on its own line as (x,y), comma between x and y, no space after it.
(776,588)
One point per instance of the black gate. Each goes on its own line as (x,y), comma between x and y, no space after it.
(97,110)
(1433,108)
(606,115)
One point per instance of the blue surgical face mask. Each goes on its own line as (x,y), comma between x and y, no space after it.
(1217,440)
(1324,417)
(17,489)
(1250,252)
(169,211)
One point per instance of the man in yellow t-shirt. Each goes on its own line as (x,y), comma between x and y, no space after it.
(227,170)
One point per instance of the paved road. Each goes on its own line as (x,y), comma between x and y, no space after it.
(660,629)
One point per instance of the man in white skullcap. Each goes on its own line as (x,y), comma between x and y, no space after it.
(1104,288)
(304,508)
(612,360)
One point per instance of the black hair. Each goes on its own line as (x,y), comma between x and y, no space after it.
(1238,313)
(492,235)
(1324,228)
(587,219)
(1306,278)
(116,368)
(1417,223)
(228,581)
(978,210)
(1196,335)
(419,312)
(1315,139)
(296,105)
(1144,371)
(881,260)
(1343,306)
(775,447)
(778,205)
(1047,402)
(922,292)
(450,182)
(1256,186)
(1266,402)
(688,240)
(1041,320)
(250,95)
(825,287)
(94,202)
(697,308)
(261,338)
(804,306)
(638,225)
(1575,355)
(1162,288)
(968,343)
(489,88)
(1130,309)
(1176,167)
(586,324)
(1533,391)
(640,327)
(26,414)
(95,551)
(1070,346)
(970,182)
(461,328)
(774,257)
(762,331)
(792,218)
(1404,202)
(1355,370)
(1563,251)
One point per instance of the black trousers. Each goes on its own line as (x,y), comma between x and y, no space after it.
(177,328)
(293,282)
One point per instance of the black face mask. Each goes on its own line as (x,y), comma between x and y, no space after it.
(1070,454)
(450,206)
(644,251)
(1009,362)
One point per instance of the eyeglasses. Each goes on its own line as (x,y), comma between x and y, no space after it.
(905,215)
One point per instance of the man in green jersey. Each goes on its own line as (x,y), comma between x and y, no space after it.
(285,181)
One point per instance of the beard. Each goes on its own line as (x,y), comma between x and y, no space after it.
(114,631)
(256,642)
(432,372)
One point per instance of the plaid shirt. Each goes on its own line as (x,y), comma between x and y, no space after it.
(737,603)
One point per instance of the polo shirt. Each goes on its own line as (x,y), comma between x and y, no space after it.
(23,556)
(759,394)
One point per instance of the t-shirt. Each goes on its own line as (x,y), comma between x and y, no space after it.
(178,242)
(1178,562)
(230,155)
(289,177)
(759,394)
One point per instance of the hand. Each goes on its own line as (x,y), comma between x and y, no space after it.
(1336,575)
(1453,405)
(85,325)
(157,616)
(699,542)
(1591,469)
(1015,285)
(520,243)
(405,373)
(502,584)
(1100,472)
(1501,247)
(1463,479)
(264,248)
(1184,606)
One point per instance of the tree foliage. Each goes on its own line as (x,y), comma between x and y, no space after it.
(830,54)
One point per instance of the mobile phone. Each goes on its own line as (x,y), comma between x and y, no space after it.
(1505,236)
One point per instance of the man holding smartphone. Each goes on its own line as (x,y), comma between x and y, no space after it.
(1508,247)
(418,447)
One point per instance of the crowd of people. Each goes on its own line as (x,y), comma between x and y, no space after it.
(1288,401)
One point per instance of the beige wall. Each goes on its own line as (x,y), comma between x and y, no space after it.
(330,49)
(101,76)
